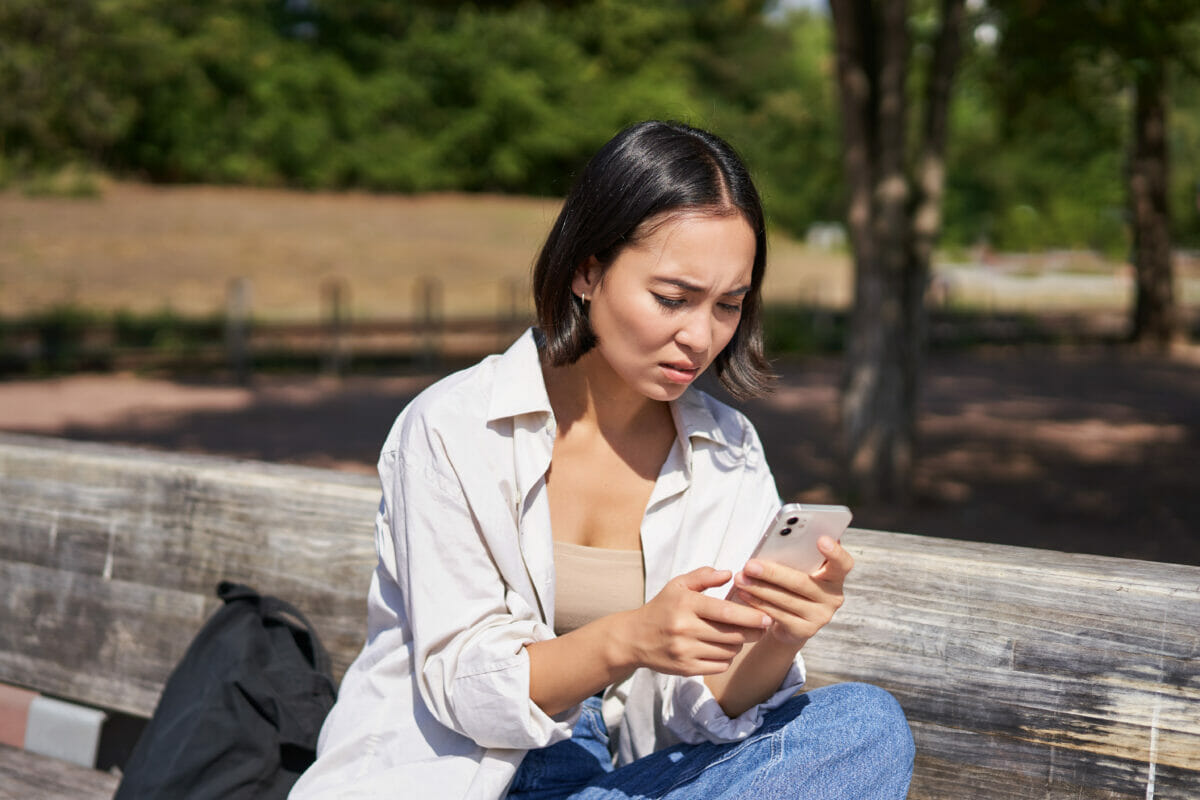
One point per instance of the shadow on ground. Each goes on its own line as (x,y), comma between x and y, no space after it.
(1092,451)
(1095,452)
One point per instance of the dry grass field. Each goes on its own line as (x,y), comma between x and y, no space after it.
(145,249)
(149,249)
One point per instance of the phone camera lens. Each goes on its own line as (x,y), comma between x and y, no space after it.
(785,531)
(793,520)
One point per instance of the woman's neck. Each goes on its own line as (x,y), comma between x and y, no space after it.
(589,393)
(609,449)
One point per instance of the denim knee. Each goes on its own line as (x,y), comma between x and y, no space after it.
(881,718)
(853,741)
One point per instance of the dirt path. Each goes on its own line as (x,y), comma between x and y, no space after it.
(1087,451)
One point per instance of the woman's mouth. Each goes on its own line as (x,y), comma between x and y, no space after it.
(680,373)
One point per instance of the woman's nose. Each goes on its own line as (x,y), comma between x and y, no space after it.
(696,332)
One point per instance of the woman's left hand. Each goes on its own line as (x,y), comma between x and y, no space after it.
(799,604)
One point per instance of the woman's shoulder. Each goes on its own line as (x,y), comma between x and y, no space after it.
(462,403)
(453,401)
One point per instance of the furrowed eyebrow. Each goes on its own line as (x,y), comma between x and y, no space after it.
(691,287)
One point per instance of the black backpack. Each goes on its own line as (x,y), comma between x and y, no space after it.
(240,714)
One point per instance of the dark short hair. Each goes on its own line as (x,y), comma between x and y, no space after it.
(646,171)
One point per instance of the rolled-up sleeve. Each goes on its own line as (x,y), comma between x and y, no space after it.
(693,715)
(661,710)
(469,628)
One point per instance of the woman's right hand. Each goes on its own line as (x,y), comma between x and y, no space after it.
(682,631)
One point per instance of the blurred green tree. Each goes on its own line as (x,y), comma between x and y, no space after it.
(1072,53)
(1033,175)
(63,95)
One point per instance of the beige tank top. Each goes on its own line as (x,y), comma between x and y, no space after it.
(590,582)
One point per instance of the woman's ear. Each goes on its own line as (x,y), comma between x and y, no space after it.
(586,278)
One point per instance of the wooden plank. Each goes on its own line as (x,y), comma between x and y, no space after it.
(24,775)
(102,642)
(1048,668)
(149,527)
(948,762)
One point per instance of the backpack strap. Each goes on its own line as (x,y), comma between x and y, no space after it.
(230,591)
(282,612)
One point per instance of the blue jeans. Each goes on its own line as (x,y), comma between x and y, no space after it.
(849,741)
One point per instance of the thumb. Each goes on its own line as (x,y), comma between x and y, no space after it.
(705,578)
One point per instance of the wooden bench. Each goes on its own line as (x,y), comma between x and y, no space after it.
(1025,673)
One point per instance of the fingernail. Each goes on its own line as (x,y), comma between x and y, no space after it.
(825,544)
(766,622)
(753,568)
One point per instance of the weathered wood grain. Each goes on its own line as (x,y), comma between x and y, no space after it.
(1025,673)
(1060,675)
(106,643)
(123,539)
(948,768)
(28,775)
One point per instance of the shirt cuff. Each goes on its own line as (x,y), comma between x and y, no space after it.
(695,715)
(493,705)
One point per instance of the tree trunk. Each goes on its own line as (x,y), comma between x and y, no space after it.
(1155,320)
(892,226)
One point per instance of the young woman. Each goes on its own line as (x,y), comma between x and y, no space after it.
(560,526)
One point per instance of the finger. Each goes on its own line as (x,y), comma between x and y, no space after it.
(744,635)
(705,632)
(723,654)
(838,561)
(686,661)
(793,580)
(735,635)
(793,603)
(699,629)
(797,628)
(711,651)
(793,613)
(724,612)
(704,578)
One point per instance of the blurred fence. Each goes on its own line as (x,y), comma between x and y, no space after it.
(237,342)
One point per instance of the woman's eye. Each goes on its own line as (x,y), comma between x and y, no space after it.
(668,302)
(732,308)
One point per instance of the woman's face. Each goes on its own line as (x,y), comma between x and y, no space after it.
(667,305)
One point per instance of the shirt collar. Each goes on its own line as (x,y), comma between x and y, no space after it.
(694,418)
(519,387)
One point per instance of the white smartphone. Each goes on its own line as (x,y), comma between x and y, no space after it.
(792,537)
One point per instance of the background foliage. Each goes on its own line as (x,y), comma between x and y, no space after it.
(413,96)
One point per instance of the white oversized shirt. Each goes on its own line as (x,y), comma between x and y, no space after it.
(437,703)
